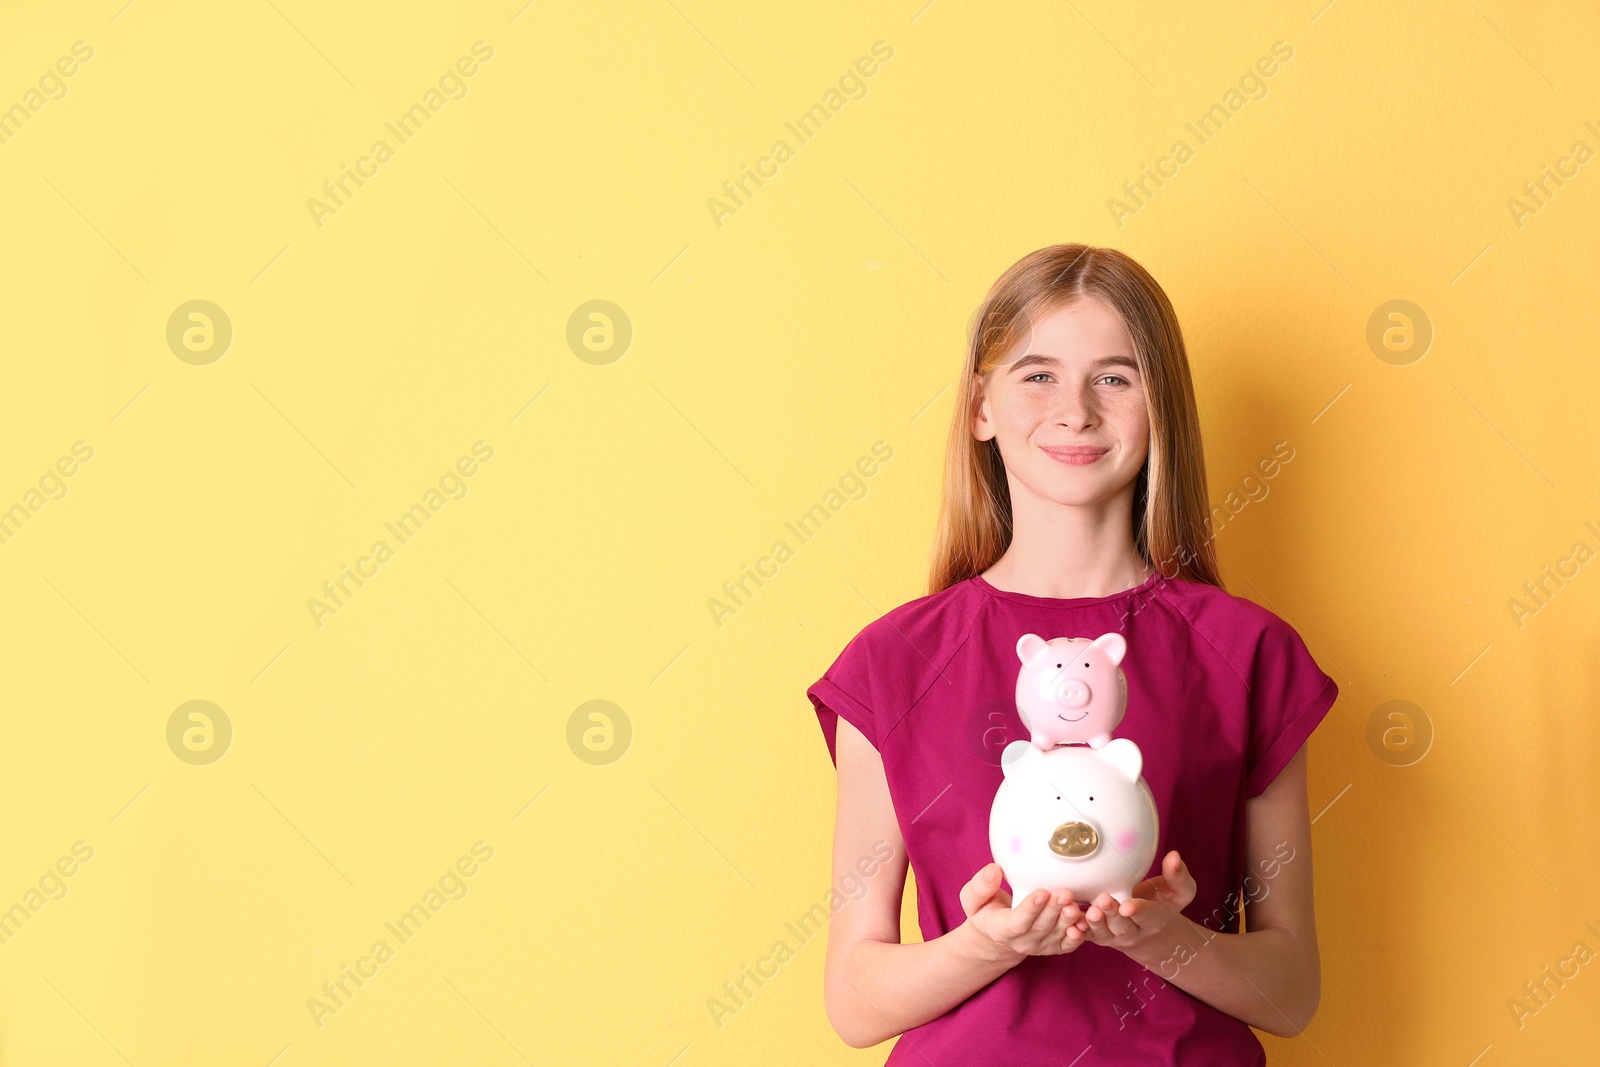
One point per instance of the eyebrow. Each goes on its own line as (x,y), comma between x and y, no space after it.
(1035,359)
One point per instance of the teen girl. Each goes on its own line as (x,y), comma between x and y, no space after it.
(1075,505)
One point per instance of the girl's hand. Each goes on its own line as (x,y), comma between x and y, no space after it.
(1046,924)
(1138,921)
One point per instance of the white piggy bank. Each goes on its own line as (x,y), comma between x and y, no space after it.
(1073,817)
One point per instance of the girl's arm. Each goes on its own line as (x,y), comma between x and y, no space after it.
(874,987)
(1269,976)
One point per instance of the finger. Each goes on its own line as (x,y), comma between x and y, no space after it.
(1119,924)
(1178,875)
(1142,913)
(1049,918)
(1097,930)
(1174,883)
(1023,915)
(1097,933)
(1101,904)
(980,889)
(1066,919)
(1175,876)
(1150,914)
(1043,920)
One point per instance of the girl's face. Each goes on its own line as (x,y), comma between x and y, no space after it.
(1067,407)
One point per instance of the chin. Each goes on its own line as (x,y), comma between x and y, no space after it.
(1077,495)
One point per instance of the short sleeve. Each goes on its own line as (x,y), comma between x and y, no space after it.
(1289,696)
(845,689)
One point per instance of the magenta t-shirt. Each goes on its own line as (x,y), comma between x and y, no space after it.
(1221,695)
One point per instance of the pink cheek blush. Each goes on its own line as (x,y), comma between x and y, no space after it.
(1016,845)
(1128,840)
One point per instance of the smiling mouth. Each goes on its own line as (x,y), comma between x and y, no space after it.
(1076,456)
(1080,718)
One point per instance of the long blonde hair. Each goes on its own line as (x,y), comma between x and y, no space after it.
(1171,507)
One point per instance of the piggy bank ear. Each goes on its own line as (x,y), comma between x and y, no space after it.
(1029,646)
(1012,755)
(1114,645)
(1124,755)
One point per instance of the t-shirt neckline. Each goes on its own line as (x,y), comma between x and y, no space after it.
(1062,602)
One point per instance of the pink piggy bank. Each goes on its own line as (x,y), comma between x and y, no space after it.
(1071,690)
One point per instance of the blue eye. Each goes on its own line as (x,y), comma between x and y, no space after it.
(1117,378)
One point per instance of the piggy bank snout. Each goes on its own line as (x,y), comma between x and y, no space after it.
(1072,693)
(1074,839)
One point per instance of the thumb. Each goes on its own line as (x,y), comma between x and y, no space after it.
(1175,870)
(981,889)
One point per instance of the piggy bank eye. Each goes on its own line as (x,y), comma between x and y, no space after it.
(1085,664)
(1058,665)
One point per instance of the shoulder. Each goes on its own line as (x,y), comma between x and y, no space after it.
(1211,604)
(902,650)
(1237,628)
(892,661)
(924,625)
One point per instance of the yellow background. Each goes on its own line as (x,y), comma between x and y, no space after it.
(768,355)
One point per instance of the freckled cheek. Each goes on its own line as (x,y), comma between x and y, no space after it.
(1131,418)
(1025,409)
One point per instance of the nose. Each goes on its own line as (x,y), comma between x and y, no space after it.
(1078,408)
(1074,840)
(1072,693)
